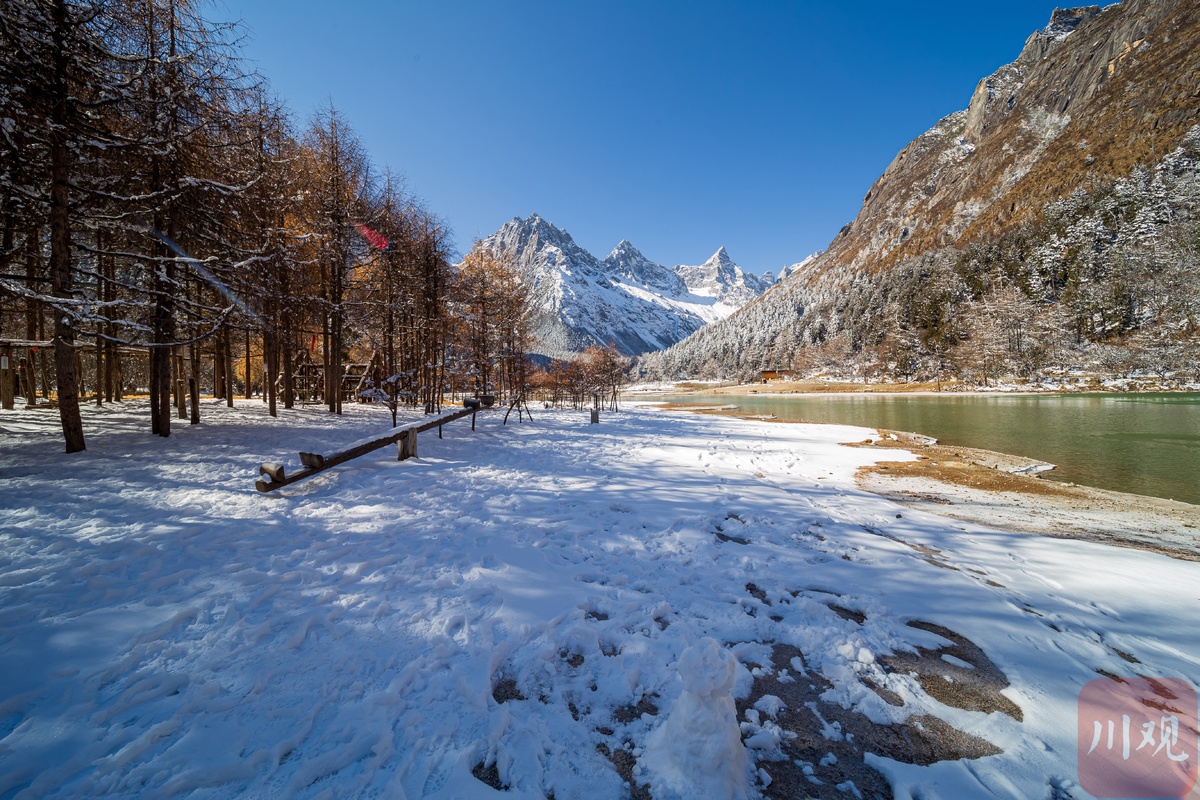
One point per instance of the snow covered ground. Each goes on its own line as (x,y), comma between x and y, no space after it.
(513,605)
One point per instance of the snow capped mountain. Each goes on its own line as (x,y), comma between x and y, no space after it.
(722,280)
(628,262)
(626,299)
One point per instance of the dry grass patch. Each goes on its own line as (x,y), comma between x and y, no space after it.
(964,473)
(963,466)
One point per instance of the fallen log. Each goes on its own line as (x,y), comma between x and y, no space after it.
(313,463)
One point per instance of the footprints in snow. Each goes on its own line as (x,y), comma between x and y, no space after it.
(736,525)
(576,680)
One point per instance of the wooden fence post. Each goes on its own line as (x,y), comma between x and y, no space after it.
(408,445)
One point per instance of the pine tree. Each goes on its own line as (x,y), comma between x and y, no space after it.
(58,76)
(339,187)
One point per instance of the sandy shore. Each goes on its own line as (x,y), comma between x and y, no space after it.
(985,487)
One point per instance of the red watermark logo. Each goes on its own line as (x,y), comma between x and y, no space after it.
(1138,738)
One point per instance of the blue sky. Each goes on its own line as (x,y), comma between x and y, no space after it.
(681,126)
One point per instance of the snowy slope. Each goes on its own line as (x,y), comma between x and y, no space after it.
(515,602)
(626,298)
(799,266)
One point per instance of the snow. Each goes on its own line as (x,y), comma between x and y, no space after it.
(625,298)
(515,599)
(698,751)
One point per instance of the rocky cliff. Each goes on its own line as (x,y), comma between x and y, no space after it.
(1089,96)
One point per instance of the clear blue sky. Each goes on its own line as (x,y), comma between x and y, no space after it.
(681,126)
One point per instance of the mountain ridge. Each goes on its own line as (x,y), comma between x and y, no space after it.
(625,298)
(1092,97)
(1027,132)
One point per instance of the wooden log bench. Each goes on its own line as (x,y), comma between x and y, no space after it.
(272,475)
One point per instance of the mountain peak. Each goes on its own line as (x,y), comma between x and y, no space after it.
(537,224)
(1064,21)
(533,220)
(625,250)
(722,279)
(627,261)
(720,258)
(537,221)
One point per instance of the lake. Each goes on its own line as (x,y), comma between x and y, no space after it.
(1140,443)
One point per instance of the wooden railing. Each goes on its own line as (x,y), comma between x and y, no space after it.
(272,477)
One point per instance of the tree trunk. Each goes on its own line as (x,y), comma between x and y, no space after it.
(289,383)
(44,363)
(33,309)
(8,369)
(327,358)
(270,371)
(60,238)
(338,367)
(28,382)
(180,386)
(249,386)
(227,350)
(194,382)
(162,324)
(160,390)
(99,372)
(111,367)
(219,378)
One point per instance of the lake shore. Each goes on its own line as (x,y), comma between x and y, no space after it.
(979,486)
(784,388)
(989,488)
